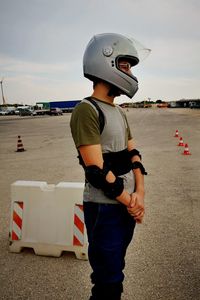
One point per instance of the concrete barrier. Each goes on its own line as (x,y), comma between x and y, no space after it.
(48,218)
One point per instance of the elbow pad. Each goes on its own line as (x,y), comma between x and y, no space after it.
(135,152)
(97,178)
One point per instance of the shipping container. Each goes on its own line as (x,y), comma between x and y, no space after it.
(66,106)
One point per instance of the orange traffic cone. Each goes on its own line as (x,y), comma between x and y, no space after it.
(20,147)
(176,133)
(186,151)
(181,142)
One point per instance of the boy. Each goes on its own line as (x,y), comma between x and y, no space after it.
(114,184)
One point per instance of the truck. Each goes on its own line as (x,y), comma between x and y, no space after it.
(42,108)
(65,106)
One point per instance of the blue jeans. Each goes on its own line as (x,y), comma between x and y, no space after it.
(110,229)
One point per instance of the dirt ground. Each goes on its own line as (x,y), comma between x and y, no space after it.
(163,261)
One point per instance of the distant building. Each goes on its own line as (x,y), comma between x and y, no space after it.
(187,102)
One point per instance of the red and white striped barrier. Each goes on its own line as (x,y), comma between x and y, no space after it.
(17,221)
(78,238)
(48,218)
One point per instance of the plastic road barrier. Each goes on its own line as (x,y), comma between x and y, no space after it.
(48,218)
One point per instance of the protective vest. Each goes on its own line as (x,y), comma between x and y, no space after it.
(118,162)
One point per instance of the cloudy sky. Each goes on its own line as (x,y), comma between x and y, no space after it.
(42,44)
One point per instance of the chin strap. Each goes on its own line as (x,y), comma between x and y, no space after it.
(139,165)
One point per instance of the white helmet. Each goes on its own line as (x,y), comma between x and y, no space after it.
(101,57)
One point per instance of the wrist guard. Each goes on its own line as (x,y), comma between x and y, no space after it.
(139,165)
(135,152)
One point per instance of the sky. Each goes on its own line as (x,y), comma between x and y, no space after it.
(42,43)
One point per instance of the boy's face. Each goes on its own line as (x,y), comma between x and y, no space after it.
(125,66)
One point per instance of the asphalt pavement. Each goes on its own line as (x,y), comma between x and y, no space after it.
(163,260)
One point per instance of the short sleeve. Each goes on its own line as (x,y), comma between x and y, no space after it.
(84,125)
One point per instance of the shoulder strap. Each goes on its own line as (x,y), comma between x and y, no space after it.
(101,114)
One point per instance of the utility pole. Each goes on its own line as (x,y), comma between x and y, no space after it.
(1,82)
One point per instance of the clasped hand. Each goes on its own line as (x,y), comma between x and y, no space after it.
(136,206)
